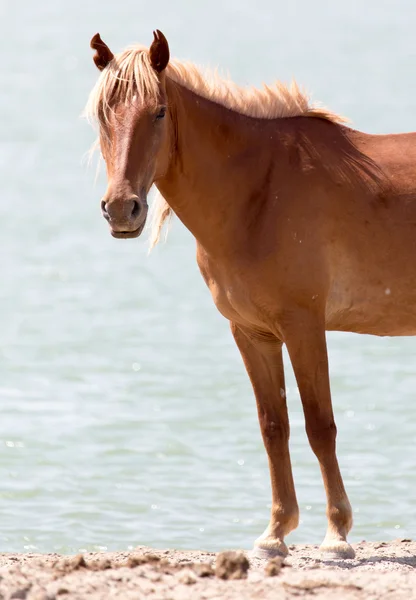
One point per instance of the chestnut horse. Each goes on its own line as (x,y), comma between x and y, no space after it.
(302,225)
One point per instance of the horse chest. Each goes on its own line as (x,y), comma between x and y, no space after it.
(225,298)
(233,298)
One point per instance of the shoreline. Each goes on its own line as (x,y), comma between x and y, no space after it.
(380,569)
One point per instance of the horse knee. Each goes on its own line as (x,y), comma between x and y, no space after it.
(322,436)
(274,431)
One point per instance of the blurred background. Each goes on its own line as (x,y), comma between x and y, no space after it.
(126,415)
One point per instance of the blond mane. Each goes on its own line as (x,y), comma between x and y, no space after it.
(130,74)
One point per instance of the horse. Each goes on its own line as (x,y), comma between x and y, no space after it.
(302,225)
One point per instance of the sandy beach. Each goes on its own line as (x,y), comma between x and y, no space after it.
(380,570)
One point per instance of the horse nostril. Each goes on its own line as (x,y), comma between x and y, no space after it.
(136,209)
(104,210)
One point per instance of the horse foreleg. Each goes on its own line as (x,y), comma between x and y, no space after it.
(304,335)
(262,356)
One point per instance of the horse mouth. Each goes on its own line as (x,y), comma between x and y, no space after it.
(125,235)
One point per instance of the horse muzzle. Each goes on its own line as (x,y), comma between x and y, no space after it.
(126,218)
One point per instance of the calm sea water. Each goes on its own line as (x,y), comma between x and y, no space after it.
(126,415)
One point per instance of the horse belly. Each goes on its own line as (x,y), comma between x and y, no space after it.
(384,306)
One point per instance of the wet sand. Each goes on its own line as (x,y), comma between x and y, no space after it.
(380,570)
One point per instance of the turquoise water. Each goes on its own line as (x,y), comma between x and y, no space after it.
(127,416)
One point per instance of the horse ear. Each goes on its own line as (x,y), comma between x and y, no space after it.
(159,52)
(103,54)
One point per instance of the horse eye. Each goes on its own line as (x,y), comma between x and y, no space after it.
(161,113)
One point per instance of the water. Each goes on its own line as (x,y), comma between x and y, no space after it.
(127,416)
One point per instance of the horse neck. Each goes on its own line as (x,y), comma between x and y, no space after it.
(202,182)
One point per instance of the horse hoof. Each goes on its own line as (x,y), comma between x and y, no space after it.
(338,550)
(269,552)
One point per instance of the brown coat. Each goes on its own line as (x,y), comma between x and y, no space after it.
(302,225)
